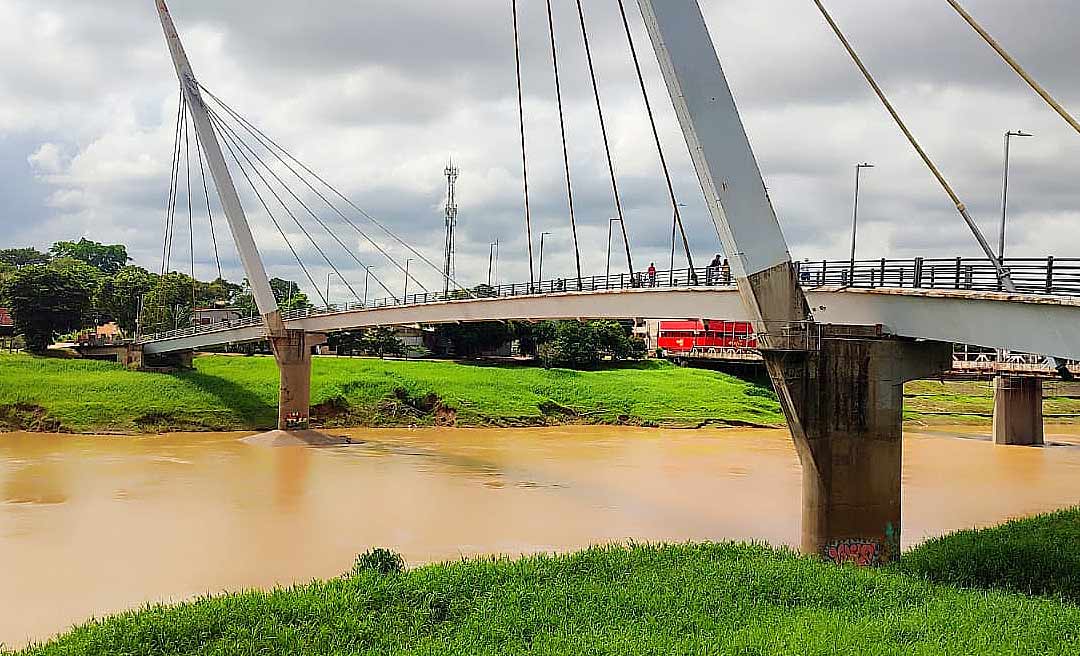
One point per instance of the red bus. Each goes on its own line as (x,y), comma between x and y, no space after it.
(708,336)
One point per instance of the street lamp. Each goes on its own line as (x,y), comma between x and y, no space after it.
(367,276)
(1005,191)
(493,262)
(405,297)
(542,235)
(674,226)
(855,219)
(328,289)
(607,279)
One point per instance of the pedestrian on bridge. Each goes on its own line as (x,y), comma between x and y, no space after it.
(652,274)
(713,269)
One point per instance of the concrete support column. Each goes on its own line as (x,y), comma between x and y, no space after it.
(1018,411)
(185,359)
(844,403)
(133,356)
(293,354)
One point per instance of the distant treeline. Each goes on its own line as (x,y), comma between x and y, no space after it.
(83,284)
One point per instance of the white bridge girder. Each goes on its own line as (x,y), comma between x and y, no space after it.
(1025,323)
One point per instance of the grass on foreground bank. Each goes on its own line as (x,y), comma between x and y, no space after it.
(1035,556)
(715,599)
(225,393)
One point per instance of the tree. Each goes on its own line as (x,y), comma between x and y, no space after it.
(118,297)
(286,292)
(168,304)
(6,271)
(88,276)
(472,339)
(381,342)
(46,302)
(20,257)
(107,259)
(578,345)
(218,291)
(346,343)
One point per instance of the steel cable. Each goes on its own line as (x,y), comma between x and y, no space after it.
(170,203)
(228,145)
(562,131)
(390,233)
(209,210)
(300,201)
(604,134)
(266,183)
(659,146)
(524,157)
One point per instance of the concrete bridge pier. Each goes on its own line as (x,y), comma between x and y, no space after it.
(1018,411)
(844,403)
(292,351)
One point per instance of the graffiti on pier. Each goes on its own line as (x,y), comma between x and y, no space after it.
(865,553)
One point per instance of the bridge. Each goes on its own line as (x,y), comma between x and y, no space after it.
(966,309)
(839,339)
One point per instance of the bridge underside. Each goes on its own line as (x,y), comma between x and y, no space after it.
(1030,324)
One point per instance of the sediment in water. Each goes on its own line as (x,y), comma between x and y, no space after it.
(280,438)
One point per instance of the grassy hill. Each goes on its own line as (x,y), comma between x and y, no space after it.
(687,599)
(240,393)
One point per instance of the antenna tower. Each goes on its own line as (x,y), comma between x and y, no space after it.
(449,251)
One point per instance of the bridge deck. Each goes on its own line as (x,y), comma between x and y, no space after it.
(1019,322)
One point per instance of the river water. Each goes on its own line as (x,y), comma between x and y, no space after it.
(95,525)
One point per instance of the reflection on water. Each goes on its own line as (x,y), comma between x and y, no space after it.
(92,525)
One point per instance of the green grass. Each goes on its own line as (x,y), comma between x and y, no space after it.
(973,401)
(690,599)
(241,393)
(1036,556)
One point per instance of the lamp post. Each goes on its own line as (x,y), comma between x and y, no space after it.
(328,290)
(855,219)
(542,236)
(367,276)
(1005,191)
(674,226)
(607,271)
(405,296)
(491,261)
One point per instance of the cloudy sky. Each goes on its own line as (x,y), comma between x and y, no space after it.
(376,96)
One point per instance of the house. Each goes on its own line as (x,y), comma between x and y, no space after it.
(216,315)
(7,323)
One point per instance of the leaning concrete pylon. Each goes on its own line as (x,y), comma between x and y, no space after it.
(292,349)
(841,387)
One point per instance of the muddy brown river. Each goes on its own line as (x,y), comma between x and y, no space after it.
(95,525)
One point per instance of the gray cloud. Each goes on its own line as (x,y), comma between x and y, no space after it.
(378,95)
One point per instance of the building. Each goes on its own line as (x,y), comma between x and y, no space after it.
(7,323)
(216,315)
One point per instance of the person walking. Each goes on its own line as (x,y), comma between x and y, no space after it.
(713,269)
(652,274)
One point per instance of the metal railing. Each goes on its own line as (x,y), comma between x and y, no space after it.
(1050,276)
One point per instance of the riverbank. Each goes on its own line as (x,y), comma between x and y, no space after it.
(971,402)
(734,598)
(226,393)
(240,393)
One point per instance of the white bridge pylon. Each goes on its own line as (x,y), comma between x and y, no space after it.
(230,199)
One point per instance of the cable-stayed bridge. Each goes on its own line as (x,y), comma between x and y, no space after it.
(966,309)
(839,338)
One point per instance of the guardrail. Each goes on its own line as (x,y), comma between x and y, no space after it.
(1050,276)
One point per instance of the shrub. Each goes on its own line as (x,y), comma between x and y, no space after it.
(382,561)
